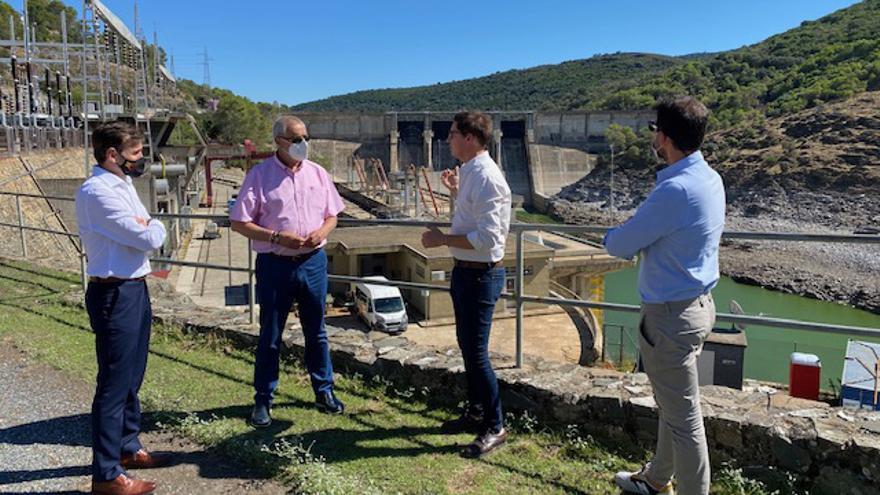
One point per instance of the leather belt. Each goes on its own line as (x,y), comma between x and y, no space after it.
(294,257)
(479,265)
(113,280)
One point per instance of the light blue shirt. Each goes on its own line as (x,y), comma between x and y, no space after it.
(677,229)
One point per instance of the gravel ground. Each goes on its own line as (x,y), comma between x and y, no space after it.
(45,439)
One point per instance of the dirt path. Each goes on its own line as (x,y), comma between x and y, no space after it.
(45,439)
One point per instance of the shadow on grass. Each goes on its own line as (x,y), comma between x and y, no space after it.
(30,309)
(72,279)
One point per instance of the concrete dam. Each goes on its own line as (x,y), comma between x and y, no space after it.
(540,152)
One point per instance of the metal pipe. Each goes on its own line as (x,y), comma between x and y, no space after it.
(252,293)
(14,61)
(48,93)
(209,266)
(38,229)
(730,318)
(64,44)
(25,26)
(24,251)
(519,298)
(59,93)
(38,196)
(83,270)
(32,104)
(229,252)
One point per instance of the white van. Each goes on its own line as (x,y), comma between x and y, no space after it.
(380,306)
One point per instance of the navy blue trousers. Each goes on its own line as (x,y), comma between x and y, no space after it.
(474,294)
(120,315)
(280,282)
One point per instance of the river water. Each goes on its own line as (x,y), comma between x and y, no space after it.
(769,349)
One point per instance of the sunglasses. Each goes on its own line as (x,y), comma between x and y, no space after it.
(653,126)
(296,139)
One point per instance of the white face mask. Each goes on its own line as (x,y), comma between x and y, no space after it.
(656,153)
(299,151)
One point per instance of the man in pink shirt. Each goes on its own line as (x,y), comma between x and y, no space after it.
(288,206)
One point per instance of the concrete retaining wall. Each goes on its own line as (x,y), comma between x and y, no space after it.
(554,167)
(17,175)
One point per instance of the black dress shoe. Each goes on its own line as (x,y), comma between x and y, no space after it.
(260,417)
(485,443)
(327,402)
(466,423)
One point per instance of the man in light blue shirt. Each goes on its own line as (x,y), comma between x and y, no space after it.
(677,231)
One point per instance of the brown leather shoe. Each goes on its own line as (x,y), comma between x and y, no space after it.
(123,485)
(485,443)
(145,460)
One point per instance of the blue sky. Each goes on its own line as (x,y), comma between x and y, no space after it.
(293,52)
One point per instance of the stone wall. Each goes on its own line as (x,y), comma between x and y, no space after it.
(839,449)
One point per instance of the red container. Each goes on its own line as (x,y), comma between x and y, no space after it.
(803,376)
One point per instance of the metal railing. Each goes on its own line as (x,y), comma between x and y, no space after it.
(520,298)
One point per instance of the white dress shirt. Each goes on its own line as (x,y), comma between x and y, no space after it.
(482,210)
(116,245)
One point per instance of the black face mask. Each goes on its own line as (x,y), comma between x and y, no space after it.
(137,169)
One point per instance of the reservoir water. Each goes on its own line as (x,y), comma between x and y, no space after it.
(768,351)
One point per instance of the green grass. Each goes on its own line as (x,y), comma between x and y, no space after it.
(387,442)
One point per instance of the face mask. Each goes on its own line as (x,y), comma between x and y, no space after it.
(657,153)
(299,151)
(137,167)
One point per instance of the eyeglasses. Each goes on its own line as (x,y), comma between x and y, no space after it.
(653,126)
(296,139)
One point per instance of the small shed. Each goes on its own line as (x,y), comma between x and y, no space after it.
(860,384)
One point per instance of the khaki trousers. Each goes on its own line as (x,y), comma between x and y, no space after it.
(671,336)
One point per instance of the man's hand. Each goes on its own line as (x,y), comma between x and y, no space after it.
(314,239)
(290,240)
(433,238)
(141,221)
(449,178)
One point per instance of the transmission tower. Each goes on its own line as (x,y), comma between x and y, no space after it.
(206,64)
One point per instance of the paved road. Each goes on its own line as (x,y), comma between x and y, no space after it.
(45,439)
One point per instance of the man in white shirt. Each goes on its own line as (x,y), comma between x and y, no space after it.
(476,240)
(118,234)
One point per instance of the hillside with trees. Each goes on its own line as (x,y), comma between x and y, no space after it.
(567,86)
(827,59)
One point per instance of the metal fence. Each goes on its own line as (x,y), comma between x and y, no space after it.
(518,296)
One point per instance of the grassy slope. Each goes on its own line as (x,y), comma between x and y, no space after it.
(387,443)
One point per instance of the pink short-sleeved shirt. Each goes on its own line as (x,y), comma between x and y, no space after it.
(274,197)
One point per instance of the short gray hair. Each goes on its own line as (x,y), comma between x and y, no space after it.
(281,123)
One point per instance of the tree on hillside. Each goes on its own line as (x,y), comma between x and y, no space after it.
(46,14)
(631,149)
(237,119)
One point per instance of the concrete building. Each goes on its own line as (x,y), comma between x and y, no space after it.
(538,152)
(397,253)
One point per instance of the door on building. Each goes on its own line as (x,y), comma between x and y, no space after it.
(373,264)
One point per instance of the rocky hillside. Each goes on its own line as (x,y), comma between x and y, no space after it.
(819,165)
(817,170)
